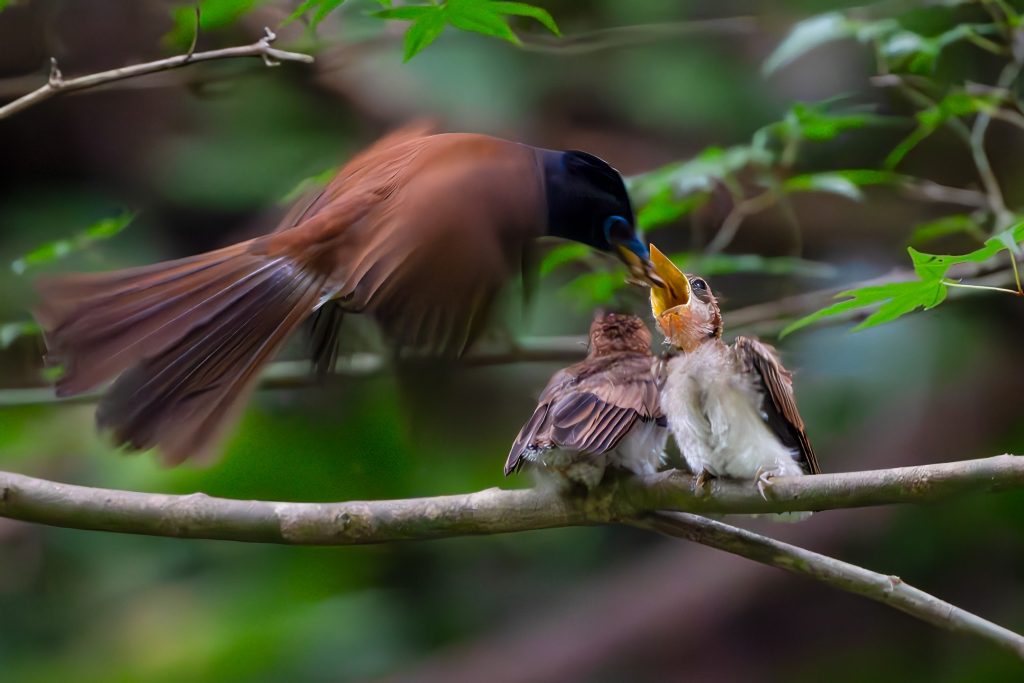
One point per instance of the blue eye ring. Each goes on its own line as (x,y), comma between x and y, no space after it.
(610,223)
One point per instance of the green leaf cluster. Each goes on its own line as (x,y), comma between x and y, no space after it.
(488,17)
(955,105)
(822,29)
(669,193)
(896,299)
(901,49)
(317,10)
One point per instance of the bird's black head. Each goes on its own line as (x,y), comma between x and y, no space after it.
(588,203)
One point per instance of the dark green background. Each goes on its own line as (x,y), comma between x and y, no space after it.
(204,154)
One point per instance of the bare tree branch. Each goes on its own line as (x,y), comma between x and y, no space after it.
(57,84)
(634,501)
(676,490)
(889,590)
(486,512)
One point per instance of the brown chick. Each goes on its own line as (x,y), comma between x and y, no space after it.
(603,411)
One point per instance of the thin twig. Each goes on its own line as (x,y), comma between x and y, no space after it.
(920,99)
(886,589)
(1003,216)
(1016,271)
(640,34)
(734,220)
(195,33)
(57,84)
(934,192)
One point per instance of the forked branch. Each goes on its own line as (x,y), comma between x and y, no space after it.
(643,502)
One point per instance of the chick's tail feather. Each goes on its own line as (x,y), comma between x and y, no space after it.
(186,340)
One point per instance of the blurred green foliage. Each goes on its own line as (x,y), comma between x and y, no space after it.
(103,229)
(96,607)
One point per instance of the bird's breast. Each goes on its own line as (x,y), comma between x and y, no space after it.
(714,412)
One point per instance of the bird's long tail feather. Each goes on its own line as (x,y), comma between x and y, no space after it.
(184,338)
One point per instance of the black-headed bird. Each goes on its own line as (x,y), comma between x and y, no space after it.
(419,231)
(731,409)
(601,412)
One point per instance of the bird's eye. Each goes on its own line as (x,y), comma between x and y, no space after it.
(698,284)
(617,230)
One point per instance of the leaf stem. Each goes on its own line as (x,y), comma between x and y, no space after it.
(1016,272)
(1014,292)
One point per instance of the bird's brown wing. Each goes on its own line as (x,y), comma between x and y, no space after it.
(783,417)
(535,434)
(364,168)
(440,248)
(377,167)
(589,407)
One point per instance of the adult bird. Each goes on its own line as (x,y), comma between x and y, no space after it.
(603,411)
(731,409)
(419,231)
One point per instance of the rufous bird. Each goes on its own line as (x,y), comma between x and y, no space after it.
(419,231)
(731,409)
(601,412)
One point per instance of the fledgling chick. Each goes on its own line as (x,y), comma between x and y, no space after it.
(603,411)
(731,408)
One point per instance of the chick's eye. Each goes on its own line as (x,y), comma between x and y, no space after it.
(699,284)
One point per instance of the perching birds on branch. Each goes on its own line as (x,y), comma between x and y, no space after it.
(601,412)
(419,231)
(731,409)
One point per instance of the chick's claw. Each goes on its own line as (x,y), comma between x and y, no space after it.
(764,481)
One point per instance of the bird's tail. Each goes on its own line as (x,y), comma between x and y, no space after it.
(184,338)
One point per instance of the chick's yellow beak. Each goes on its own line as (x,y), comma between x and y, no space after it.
(674,291)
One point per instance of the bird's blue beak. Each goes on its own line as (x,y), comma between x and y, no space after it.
(625,241)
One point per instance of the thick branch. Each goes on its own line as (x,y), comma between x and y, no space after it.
(57,84)
(889,590)
(492,511)
(626,500)
(676,490)
(486,512)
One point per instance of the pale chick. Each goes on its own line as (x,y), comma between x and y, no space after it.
(601,412)
(731,408)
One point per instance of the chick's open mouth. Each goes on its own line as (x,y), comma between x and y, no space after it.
(674,290)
